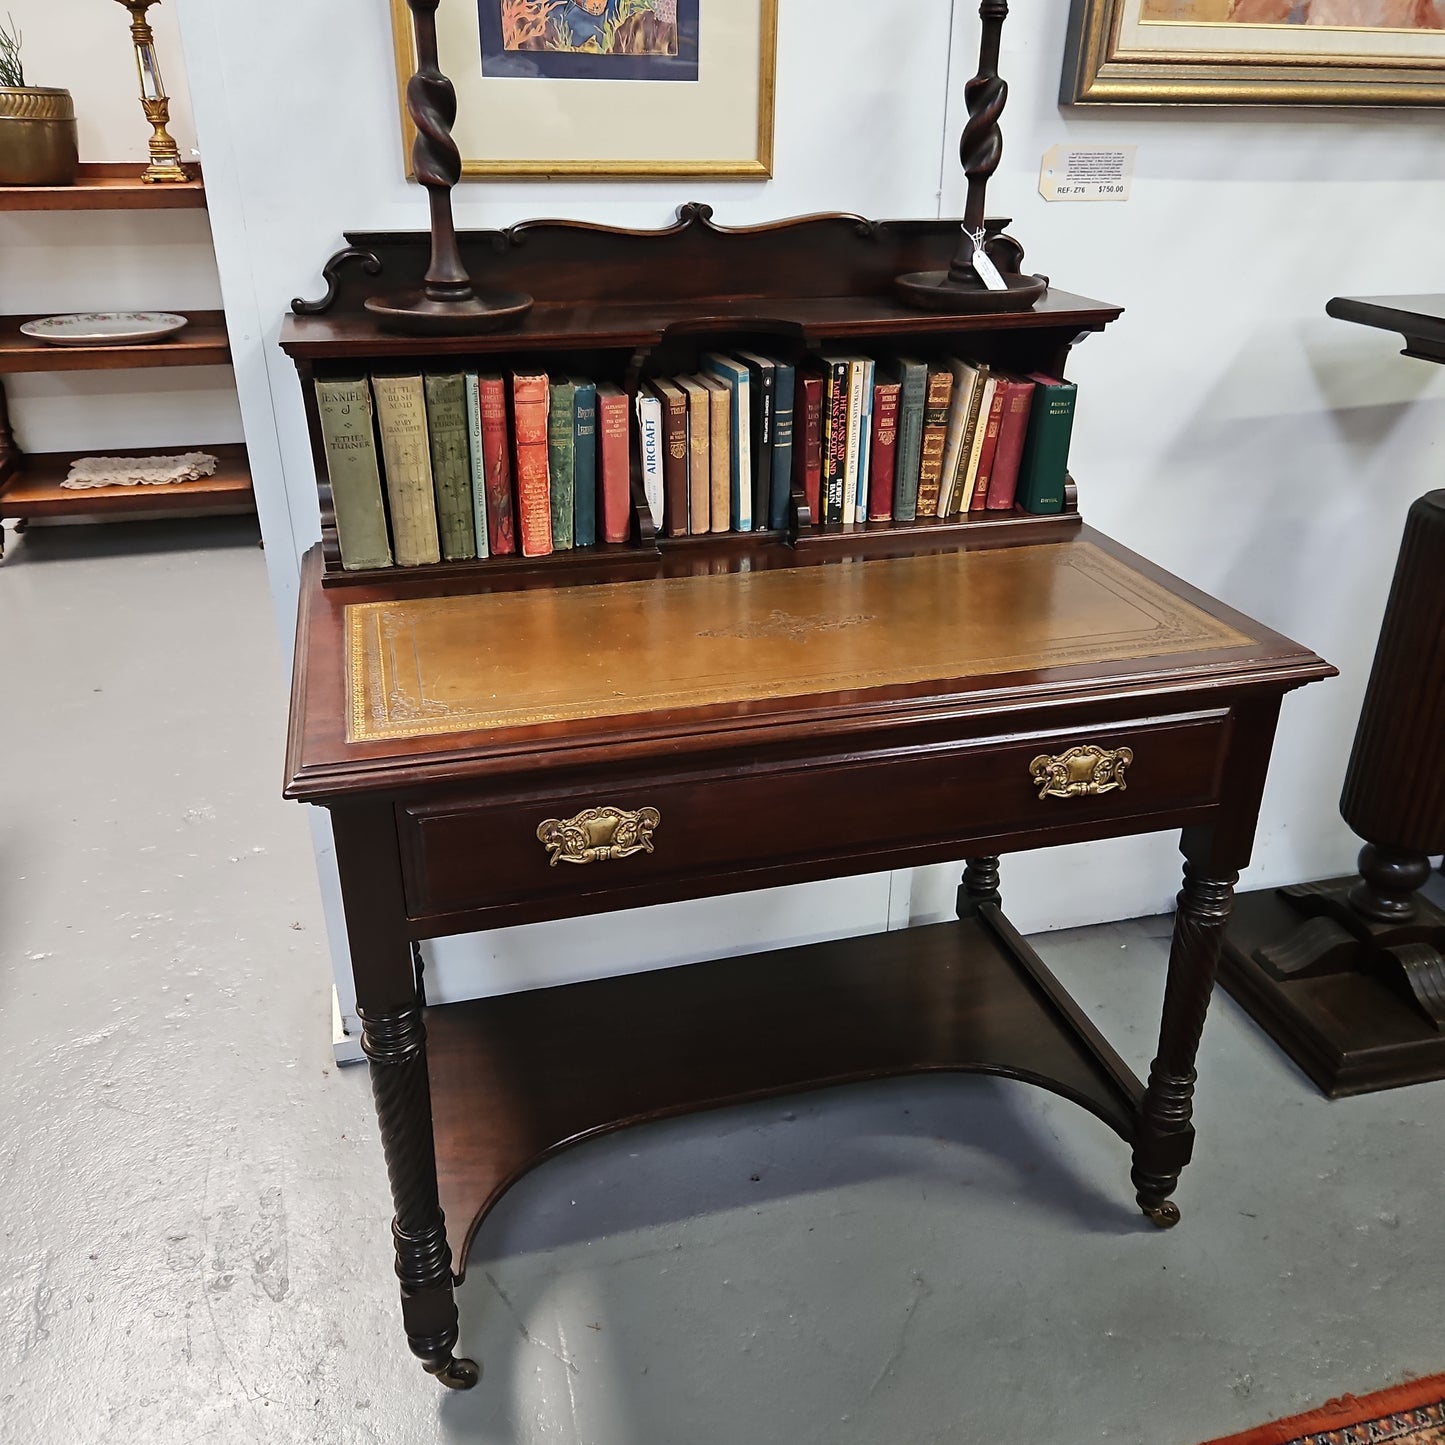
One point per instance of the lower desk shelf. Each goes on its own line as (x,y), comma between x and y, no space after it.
(516,1078)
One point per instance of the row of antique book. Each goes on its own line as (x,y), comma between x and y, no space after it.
(460,465)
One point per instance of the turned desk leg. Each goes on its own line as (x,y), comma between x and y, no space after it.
(393,1038)
(980,885)
(1166,1136)
(395,1048)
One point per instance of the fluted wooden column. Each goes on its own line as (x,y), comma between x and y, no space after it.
(1394,795)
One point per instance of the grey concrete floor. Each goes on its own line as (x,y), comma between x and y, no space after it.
(194,1218)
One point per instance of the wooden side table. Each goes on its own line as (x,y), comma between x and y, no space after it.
(713,722)
(1348,975)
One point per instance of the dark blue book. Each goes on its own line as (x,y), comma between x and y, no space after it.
(739,381)
(784,388)
(584,465)
(763,370)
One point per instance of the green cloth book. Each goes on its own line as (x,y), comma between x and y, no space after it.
(561,460)
(347,428)
(584,464)
(406,462)
(1045,465)
(912,377)
(451,465)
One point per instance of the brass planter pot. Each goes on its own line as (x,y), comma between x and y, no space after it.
(37,137)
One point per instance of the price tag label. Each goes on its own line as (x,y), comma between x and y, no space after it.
(1087,173)
(987,272)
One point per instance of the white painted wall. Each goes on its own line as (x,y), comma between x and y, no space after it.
(1227,428)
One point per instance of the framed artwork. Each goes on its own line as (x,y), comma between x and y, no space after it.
(624,88)
(1255,52)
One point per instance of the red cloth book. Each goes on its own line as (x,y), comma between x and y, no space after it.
(808,439)
(614,426)
(1013,428)
(531,403)
(497,466)
(885,451)
(993,424)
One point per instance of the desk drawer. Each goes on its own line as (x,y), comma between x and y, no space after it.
(461,854)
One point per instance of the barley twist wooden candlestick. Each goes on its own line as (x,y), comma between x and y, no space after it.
(447,304)
(983,249)
(165,155)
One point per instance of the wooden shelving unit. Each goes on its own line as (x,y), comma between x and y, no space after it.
(30,485)
(107,186)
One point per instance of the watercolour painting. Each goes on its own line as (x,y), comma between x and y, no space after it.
(1339,14)
(602,89)
(1255,52)
(638,40)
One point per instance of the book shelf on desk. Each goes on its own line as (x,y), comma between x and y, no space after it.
(625,306)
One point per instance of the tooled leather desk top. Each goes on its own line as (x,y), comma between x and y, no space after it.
(437,665)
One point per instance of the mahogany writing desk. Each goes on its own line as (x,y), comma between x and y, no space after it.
(519,751)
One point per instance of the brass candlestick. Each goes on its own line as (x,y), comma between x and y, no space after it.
(983,249)
(165,154)
(447,304)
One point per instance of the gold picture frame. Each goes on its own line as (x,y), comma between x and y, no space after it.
(1119,54)
(757,166)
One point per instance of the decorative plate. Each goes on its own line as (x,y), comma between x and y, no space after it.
(104,328)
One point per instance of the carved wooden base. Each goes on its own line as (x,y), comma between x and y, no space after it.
(1358,1004)
(416,314)
(939,291)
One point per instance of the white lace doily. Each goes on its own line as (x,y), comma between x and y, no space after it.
(138,471)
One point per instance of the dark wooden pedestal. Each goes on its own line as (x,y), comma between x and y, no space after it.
(1348,976)
(1352,1027)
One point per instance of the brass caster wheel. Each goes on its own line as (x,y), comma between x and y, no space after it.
(1162,1216)
(457,1374)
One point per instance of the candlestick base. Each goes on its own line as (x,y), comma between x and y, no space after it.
(962,289)
(417,314)
(939,291)
(164,173)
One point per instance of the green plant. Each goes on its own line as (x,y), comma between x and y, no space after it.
(524,22)
(12,73)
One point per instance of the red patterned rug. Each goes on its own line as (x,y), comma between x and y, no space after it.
(1409,1414)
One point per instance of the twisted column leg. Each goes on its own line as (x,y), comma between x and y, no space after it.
(980,885)
(395,1047)
(1165,1138)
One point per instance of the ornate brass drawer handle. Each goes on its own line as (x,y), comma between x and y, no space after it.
(598,835)
(1082,772)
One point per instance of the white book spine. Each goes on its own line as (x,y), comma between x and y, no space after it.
(965,378)
(649,429)
(479,464)
(980,434)
(865,441)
